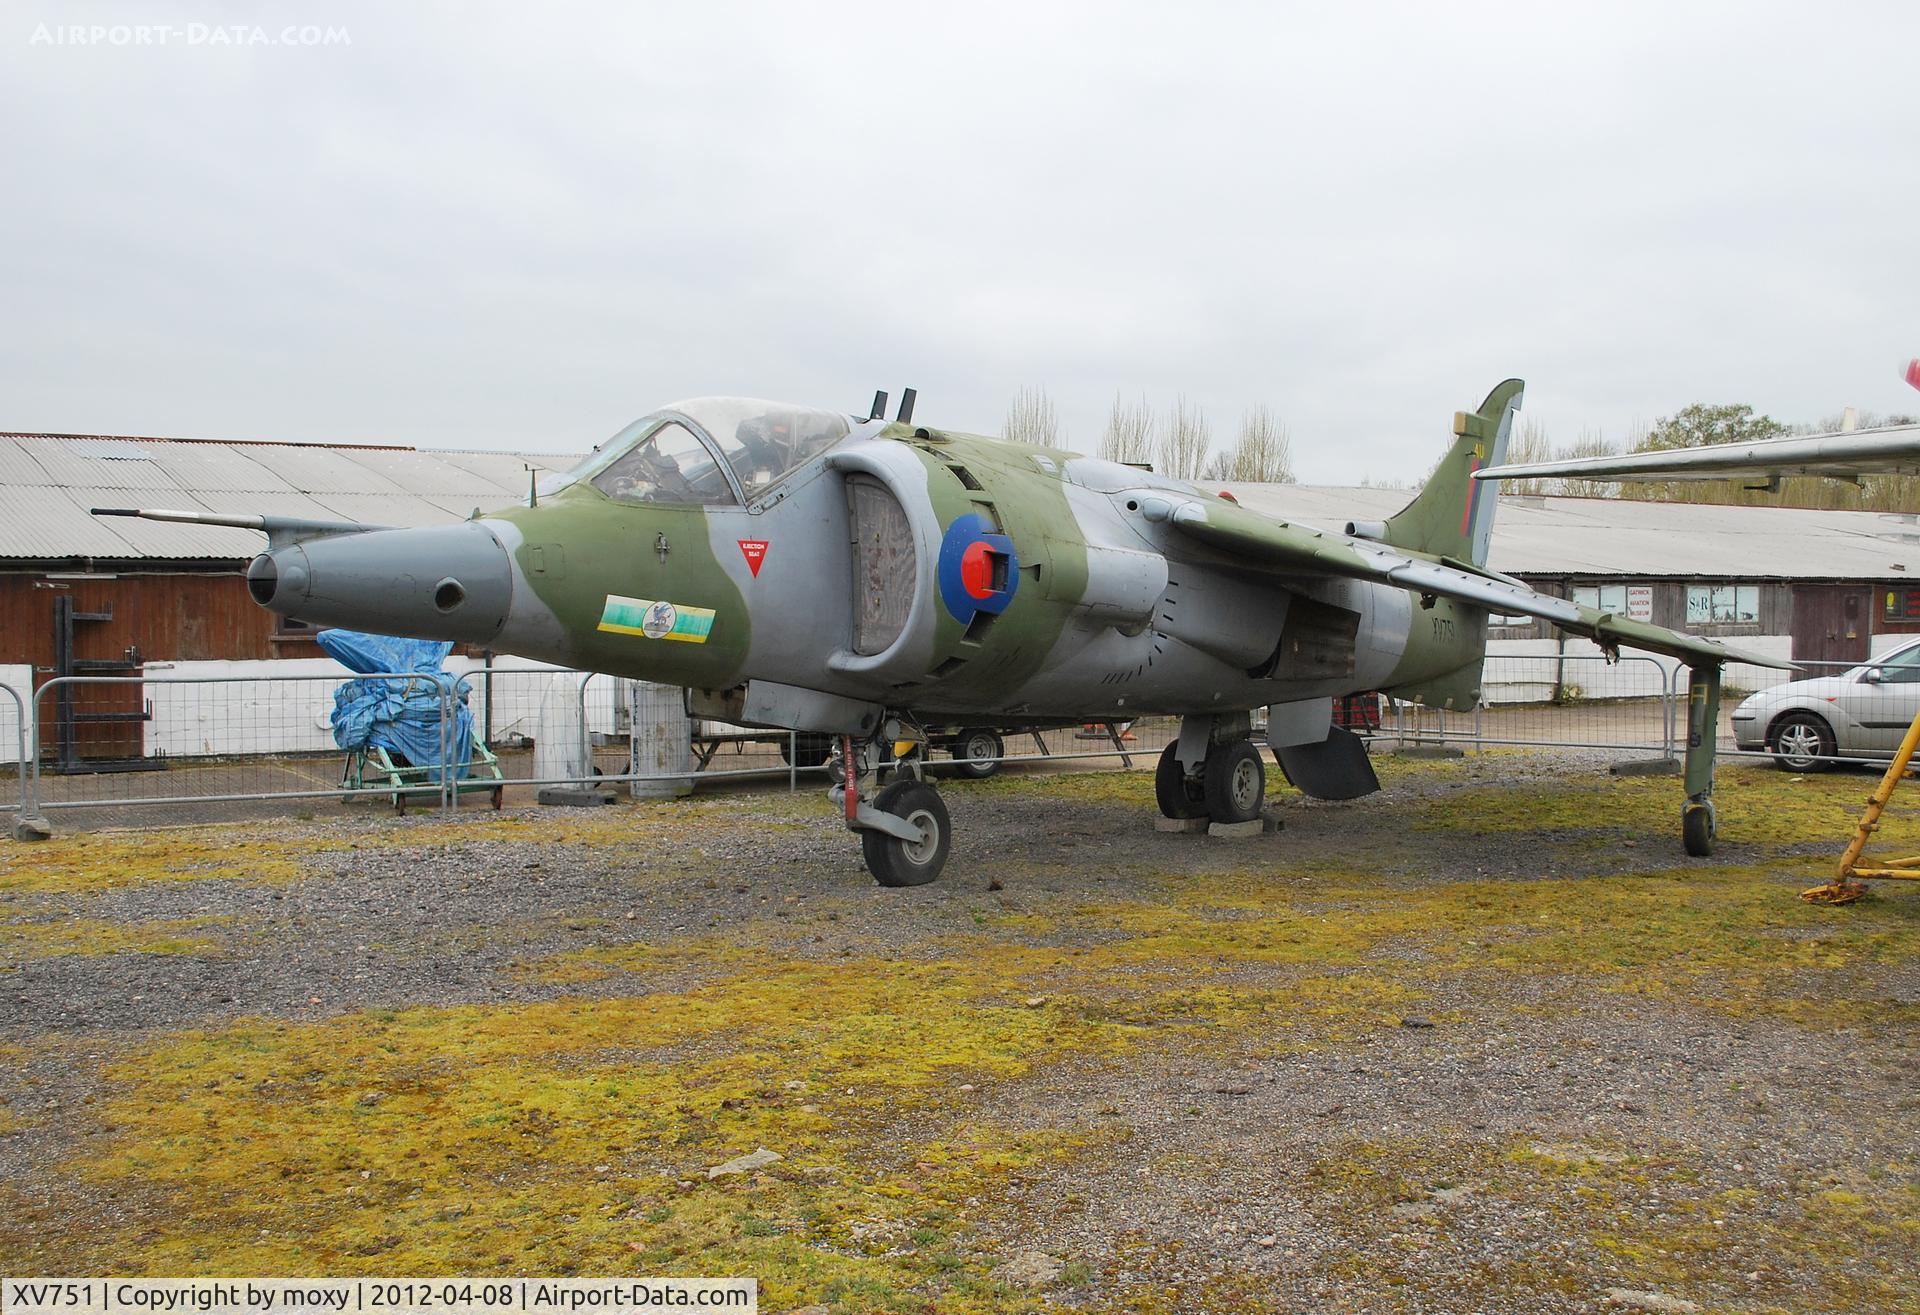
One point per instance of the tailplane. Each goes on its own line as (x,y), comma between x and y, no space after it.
(1452,515)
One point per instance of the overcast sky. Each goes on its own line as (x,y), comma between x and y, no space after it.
(491,226)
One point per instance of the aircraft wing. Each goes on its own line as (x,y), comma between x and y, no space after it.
(1894,450)
(1255,540)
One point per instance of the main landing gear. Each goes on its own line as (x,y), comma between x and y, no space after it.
(905,833)
(1212,771)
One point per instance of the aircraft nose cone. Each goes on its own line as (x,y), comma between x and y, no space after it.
(443,582)
(263,578)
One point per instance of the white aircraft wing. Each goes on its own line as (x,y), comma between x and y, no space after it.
(1894,450)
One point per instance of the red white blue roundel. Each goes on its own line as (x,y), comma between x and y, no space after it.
(978,570)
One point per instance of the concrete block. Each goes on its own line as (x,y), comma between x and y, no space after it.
(1234,830)
(1432,751)
(32,828)
(1271,822)
(573,796)
(1647,767)
(1181,826)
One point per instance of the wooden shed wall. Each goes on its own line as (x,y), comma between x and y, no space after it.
(168,617)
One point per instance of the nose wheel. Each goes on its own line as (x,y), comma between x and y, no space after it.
(897,861)
(905,832)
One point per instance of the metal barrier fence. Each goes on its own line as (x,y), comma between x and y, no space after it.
(267,738)
(1557,701)
(25,806)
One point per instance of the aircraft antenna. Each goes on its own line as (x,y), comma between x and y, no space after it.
(906,406)
(879,411)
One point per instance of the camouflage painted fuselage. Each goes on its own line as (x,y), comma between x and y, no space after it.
(1023,582)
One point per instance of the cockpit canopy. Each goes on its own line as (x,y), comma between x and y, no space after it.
(710,451)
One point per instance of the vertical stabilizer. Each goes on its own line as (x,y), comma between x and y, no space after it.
(1452,515)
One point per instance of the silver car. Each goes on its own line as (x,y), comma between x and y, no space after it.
(1861,712)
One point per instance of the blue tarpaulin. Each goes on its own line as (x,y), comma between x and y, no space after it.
(400,713)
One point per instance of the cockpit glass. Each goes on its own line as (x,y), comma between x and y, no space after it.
(763,441)
(669,465)
(659,459)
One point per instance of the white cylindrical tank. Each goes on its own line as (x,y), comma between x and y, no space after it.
(560,732)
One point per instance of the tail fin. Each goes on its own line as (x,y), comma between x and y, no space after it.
(1452,515)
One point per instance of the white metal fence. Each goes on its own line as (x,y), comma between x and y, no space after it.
(261,734)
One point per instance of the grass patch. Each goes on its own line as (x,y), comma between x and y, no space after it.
(1755,807)
(24,939)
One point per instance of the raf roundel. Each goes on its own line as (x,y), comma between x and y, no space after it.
(978,569)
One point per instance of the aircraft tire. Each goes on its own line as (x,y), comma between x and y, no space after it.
(897,862)
(1177,796)
(1235,781)
(977,752)
(1697,830)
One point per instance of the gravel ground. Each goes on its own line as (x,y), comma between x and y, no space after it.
(1577,1136)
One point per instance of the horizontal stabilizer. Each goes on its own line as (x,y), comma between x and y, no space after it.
(1894,450)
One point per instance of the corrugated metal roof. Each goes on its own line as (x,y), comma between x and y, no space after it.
(49,481)
(1612,536)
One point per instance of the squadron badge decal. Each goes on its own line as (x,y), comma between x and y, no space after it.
(656,620)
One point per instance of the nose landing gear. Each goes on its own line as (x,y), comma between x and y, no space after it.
(905,832)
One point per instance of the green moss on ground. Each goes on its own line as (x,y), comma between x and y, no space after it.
(572,1135)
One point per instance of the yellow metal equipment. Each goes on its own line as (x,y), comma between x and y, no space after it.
(1849,882)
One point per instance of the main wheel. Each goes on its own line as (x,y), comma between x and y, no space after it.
(1235,782)
(1178,794)
(1802,742)
(1696,828)
(977,752)
(897,862)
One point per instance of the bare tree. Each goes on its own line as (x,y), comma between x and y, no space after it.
(1129,435)
(1032,418)
(1263,454)
(1591,443)
(1184,441)
(1529,445)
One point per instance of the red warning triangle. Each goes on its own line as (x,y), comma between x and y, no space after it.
(755,551)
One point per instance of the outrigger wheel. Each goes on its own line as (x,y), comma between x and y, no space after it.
(1703,727)
(1696,827)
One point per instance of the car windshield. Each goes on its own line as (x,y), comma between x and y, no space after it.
(1896,668)
(662,459)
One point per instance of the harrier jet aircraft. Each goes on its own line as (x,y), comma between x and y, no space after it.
(864,578)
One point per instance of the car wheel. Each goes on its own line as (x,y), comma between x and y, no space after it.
(1802,742)
(978,752)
